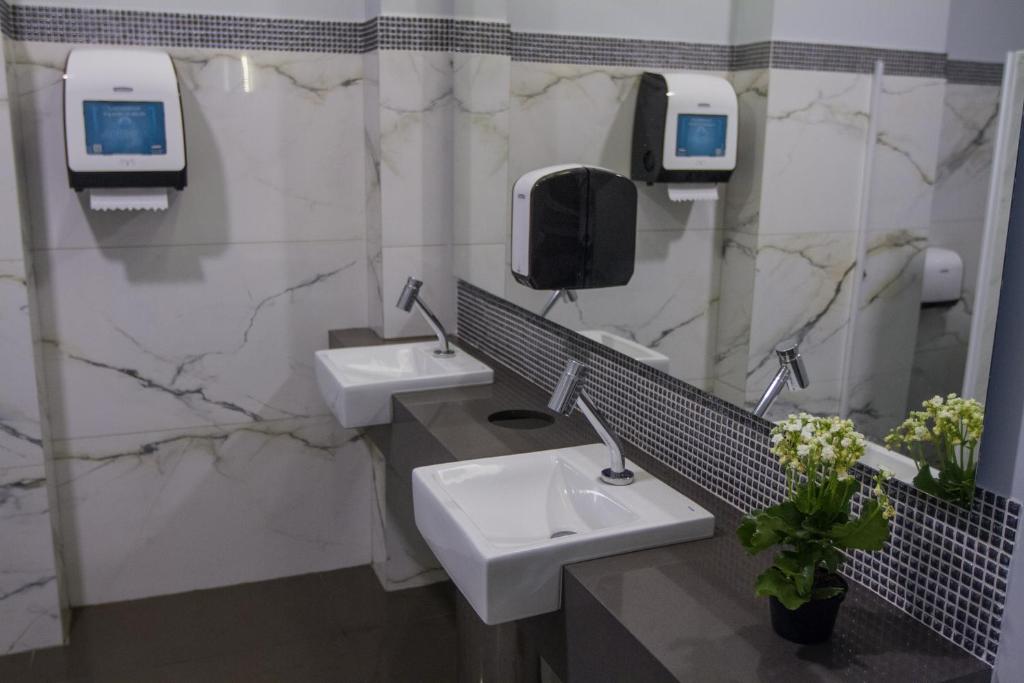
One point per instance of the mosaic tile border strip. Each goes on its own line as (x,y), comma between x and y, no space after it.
(578,49)
(974,73)
(171,29)
(944,566)
(443,35)
(5,19)
(851,59)
(174,29)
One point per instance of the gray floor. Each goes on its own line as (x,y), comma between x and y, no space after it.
(332,626)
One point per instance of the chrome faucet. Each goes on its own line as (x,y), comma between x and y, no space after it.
(567,294)
(411,296)
(791,372)
(568,394)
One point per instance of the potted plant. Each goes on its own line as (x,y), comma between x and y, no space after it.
(814,524)
(952,428)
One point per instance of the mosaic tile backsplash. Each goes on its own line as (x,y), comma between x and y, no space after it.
(175,29)
(945,566)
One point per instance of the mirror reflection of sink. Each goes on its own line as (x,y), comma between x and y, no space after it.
(634,350)
(357,382)
(504,527)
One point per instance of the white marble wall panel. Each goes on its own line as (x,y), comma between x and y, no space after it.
(193,448)
(885,337)
(371,165)
(274,153)
(30,614)
(742,201)
(30,604)
(20,432)
(957,222)
(482,264)
(814,149)
(416,147)
(802,291)
(171,511)
(965,152)
(906,153)
(153,338)
(416,166)
(30,595)
(481,203)
(481,148)
(735,310)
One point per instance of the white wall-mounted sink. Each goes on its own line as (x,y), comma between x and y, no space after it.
(634,350)
(357,382)
(504,527)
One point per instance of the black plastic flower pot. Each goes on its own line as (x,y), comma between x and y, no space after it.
(813,621)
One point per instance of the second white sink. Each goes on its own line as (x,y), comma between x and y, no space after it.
(634,350)
(358,382)
(504,527)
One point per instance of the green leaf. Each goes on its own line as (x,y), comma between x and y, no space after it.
(826,593)
(870,531)
(954,484)
(773,582)
(766,528)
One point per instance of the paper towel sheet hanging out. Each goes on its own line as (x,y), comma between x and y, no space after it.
(128,199)
(693,192)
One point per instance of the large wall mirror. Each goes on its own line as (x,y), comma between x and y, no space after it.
(909,164)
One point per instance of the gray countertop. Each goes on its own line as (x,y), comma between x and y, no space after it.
(686,611)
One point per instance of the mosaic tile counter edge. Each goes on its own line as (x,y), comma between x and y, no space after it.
(944,566)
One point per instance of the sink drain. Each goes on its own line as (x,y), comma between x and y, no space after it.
(559,534)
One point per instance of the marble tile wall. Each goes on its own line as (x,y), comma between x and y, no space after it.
(30,596)
(480,168)
(797,224)
(958,215)
(416,129)
(191,447)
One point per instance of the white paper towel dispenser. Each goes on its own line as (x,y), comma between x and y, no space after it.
(123,129)
(573,227)
(684,133)
(942,282)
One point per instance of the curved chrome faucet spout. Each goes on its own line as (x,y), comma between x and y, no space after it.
(567,395)
(792,373)
(410,297)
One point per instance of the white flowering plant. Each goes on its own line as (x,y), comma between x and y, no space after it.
(951,428)
(814,524)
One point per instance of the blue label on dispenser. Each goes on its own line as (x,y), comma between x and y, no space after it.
(124,128)
(700,136)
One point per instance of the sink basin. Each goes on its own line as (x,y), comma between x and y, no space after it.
(504,527)
(634,350)
(357,383)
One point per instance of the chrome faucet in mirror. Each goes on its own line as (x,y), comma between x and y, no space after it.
(567,295)
(792,373)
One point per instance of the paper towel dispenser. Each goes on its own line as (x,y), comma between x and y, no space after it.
(573,227)
(684,129)
(942,281)
(122,120)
